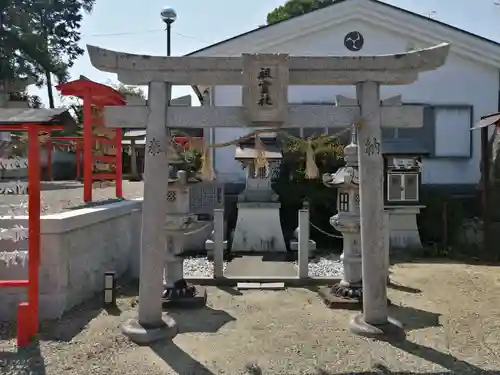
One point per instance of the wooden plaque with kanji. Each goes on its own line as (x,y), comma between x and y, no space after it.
(265,88)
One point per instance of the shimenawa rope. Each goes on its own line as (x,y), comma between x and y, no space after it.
(311,169)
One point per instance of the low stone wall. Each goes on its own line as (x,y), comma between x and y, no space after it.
(77,247)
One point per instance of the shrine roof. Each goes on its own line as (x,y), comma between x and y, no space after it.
(102,95)
(344,176)
(40,116)
(403,146)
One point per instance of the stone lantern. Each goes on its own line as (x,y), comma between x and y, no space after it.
(347,221)
(179,223)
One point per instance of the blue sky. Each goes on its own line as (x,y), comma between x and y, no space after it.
(136,27)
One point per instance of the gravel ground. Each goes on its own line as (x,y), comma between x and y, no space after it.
(325,266)
(200,267)
(60,196)
(450,312)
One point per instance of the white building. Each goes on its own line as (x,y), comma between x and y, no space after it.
(457,94)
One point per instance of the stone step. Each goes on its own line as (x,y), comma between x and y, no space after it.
(260,286)
(257,265)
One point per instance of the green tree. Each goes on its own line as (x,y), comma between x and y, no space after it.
(39,38)
(22,52)
(295,8)
(34,101)
(58,22)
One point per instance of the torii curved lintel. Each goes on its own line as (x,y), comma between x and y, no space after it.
(399,68)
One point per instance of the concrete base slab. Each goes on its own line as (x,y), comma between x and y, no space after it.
(272,286)
(392,330)
(288,280)
(142,335)
(255,265)
(260,286)
(335,301)
(197,302)
(247,286)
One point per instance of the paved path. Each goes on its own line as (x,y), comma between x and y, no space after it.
(255,265)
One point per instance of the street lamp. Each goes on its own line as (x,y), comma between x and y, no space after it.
(168,15)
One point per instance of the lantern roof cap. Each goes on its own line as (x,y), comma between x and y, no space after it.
(344,177)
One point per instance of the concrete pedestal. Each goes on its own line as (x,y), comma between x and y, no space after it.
(351,259)
(197,300)
(178,293)
(403,228)
(258,228)
(144,335)
(390,330)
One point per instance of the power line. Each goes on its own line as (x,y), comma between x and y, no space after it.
(125,33)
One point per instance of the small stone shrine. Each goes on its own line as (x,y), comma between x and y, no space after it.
(403,164)
(265,79)
(258,227)
(347,221)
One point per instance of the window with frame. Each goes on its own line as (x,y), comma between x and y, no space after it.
(402,187)
(452,131)
(344,202)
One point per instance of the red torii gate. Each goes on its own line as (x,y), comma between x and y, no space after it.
(96,96)
(32,121)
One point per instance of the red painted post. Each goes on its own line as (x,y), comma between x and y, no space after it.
(88,144)
(23,322)
(33,224)
(119,163)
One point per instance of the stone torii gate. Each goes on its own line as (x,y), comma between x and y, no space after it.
(265,79)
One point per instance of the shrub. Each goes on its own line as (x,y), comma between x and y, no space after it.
(294,188)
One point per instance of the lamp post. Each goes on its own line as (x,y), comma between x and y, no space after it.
(168,15)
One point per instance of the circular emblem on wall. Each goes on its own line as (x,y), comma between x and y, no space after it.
(354,41)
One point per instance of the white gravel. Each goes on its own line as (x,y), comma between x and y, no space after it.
(199,267)
(325,266)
